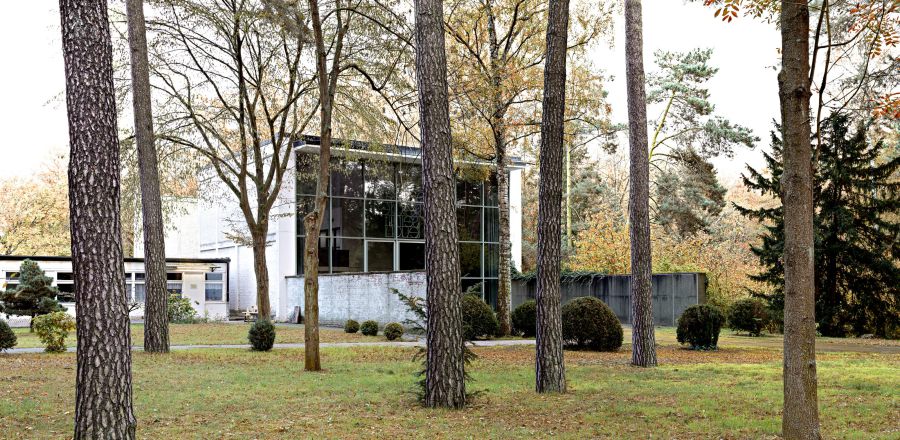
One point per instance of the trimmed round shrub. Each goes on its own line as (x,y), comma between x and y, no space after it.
(262,335)
(588,322)
(748,315)
(7,337)
(369,328)
(351,326)
(479,321)
(524,319)
(393,331)
(699,326)
(52,329)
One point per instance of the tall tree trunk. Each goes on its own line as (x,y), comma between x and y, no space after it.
(156,319)
(258,234)
(445,384)
(498,125)
(800,419)
(643,343)
(103,406)
(549,364)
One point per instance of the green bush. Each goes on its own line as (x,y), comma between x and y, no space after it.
(749,315)
(393,331)
(588,322)
(524,319)
(180,310)
(369,328)
(479,321)
(52,329)
(351,326)
(262,335)
(699,326)
(7,337)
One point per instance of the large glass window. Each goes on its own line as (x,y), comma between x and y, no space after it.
(65,283)
(380,219)
(174,282)
(375,220)
(380,256)
(412,255)
(140,293)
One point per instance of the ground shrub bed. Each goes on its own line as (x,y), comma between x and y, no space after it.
(749,315)
(479,320)
(190,395)
(699,326)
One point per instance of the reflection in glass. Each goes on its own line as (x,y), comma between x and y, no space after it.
(305,206)
(412,256)
(468,219)
(490,292)
(380,219)
(380,180)
(468,192)
(409,186)
(472,286)
(346,178)
(411,221)
(492,225)
(470,259)
(347,255)
(347,217)
(380,256)
(323,254)
(492,260)
(490,190)
(307,166)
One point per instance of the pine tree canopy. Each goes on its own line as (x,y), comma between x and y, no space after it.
(35,294)
(857,227)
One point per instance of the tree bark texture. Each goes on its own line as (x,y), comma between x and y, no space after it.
(445,367)
(258,234)
(549,363)
(103,407)
(643,348)
(156,318)
(800,419)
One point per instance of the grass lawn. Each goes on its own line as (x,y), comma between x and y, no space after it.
(215,334)
(366,392)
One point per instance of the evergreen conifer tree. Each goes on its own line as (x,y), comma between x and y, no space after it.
(857,247)
(35,294)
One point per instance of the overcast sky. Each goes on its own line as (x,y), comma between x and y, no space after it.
(32,83)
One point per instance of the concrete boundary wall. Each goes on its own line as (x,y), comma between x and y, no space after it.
(672,293)
(360,296)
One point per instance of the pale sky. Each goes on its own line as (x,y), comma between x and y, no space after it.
(32,82)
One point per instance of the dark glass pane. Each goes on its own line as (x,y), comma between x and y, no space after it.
(380,219)
(323,254)
(307,173)
(492,260)
(174,276)
(491,190)
(381,256)
(471,286)
(492,225)
(380,180)
(305,206)
(66,276)
(469,220)
(214,291)
(468,192)
(347,217)
(214,276)
(409,186)
(411,224)
(470,259)
(140,276)
(347,255)
(12,275)
(412,256)
(490,293)
(346,178)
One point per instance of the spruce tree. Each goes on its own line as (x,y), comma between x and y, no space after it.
(857,249)
(35,294)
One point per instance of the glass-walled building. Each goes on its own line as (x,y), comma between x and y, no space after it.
(375,221)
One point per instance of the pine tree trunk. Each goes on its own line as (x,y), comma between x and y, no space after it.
(800,419)
(643,351)
(549,364)
(156,319)
(103,406)
(259,233)
(445,384)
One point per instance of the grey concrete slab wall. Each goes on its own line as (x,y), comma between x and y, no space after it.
(672,293)
(360,296)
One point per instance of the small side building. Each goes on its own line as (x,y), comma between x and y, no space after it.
(203,280)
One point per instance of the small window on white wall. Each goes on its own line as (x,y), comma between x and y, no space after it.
(174,282)
(215,286)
